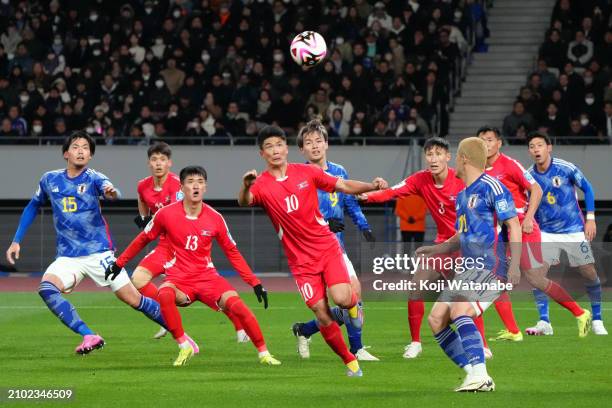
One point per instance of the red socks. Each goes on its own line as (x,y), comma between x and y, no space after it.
(149,290)
(479,322)
(559,295)
(236,307)
(416,311)
(235,321)
(504,309)
(333,337)
(170,312)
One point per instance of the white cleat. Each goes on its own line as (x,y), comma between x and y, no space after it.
(474,383)
(413,350)
(363,355)
(242,337)
(488,353)
(161,333)
(542,328)
(303,342)
(598,328)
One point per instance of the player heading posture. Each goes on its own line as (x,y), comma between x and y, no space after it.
(313,143)
(519,182)
(564,229)
(483,203)
(439,187)
(288,193)
(83,242)
(158,190)
(189,227)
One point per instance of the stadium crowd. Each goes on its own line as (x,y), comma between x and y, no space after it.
(569,95)
(214,72)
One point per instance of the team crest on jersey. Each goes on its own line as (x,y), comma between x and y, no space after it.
(167,198)
(81,188)
(206,233)
(557,181)
(472,201)
(302,185)
(501,205)
(179,195)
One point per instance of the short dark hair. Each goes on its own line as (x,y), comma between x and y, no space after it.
(314,125)
(268,132)
(436,141)
(160,148)
(192,171)
(535,134)
(79,134)
(486,129)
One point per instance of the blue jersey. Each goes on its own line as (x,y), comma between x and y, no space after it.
(333,205)
(80,228)
(559,212)
(480,206)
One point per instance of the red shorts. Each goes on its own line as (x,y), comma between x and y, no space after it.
(442,263)
(315,277)
(156,260)
(531,254)
(208,292)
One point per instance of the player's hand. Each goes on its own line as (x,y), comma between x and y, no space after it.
(335,225)
(112,270)
(249,177)
(426,250)
(141,221)
(13,253)
(590,230)
(261,294)
(362,197)
(380,183)
(527,226)
(369,236)
(110,192)
(514,275)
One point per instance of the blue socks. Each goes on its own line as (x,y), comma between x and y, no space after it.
(62,308)
(470,340)
(151,309)
(541,300)
(594,291)
(450,342)
(341,317)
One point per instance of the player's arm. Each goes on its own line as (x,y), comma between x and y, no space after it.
(359,187)
(450,245)
(351,206)
(405,188)
(590,227)
(143,217)
(27,217)
(245,197)
(526,180)
(515,235)
(106,188)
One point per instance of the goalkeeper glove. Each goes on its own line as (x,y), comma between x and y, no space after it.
(335,225)
(112,270)
(141,221)
(369,236)
(261,294)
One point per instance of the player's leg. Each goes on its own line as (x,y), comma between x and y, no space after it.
(447,338)
(150,267)
(355,333)
(416,311)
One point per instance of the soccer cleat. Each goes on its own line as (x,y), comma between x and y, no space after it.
(363,355)
(303,342)
(90,343)
(542,328)
(506,335)
(160,333)
(353,369)
(584,323)
(488,353)
(474,383)
(598,328)
(193,344)
(185,354)
(268,359)
(413,350)
(242,337)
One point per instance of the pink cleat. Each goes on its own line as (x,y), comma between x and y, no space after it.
(196,349)
(90,343)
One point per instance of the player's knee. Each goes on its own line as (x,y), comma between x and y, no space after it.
(588,272)
(166,295)
(435,322)
(47,289)
(140,278)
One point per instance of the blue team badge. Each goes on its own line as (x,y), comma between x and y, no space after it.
(557,181)
(529,177)
(501,205)
(81,188)
(472,201)
(179,195)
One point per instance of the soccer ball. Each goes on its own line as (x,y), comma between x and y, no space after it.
(308,49)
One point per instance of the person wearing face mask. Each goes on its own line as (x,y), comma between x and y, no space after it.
(159,96)
(411,130)
(95,24)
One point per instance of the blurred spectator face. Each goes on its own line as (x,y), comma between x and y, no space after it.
(535,81)
(444,38)
(542,67)
(391,116)
(13,112)
(168,25)
(24,97)
(37,126)
(108,81)
(135,131)
(232,108)
(587,23)
(552,110)
(575,126)
(554,36)
(568,68)
(584,119)
(145,112)
(431,78)
(519,109)
(579,36)
(397,23)
(526,94)
(6,125)
(380,126)
(358,50)
(563,80)
(357,129)
(67,111)
(588,77)
(264,96)
(564,5)
(589,99)
(337,115)
(608,109)
(287,98)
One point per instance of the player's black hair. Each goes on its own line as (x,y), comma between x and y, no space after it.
(535,134)
(268,132)
(436,141)
(314,125)
(192,171)
(79,134)
(160,148)
(486,129)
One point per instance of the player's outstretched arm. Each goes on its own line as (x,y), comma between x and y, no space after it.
(143,217)
(27,217)
(245,198)
(114,268)
(515,236)
(403,189)
(358,187)
(535,196)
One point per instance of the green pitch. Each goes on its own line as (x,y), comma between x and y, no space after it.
(36,351)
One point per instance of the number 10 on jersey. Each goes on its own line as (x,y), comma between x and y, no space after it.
(292,203)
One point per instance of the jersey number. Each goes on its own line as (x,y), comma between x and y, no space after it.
(192,242)
(292,203)
(333,197)
(551,198)
(70,204)
(462,223)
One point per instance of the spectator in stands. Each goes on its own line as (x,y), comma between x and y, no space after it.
(6,130)
(18,123)
(554,50)
(554,123)
(580,51)
(338,127)
(605,125)
(517,118)
(345,106)
(532,103)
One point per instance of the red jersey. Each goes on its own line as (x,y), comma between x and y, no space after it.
(169,193)
(191,240)
(516,179)
(440,200)
(293,207)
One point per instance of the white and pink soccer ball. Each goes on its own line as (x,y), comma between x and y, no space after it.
(308,49)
